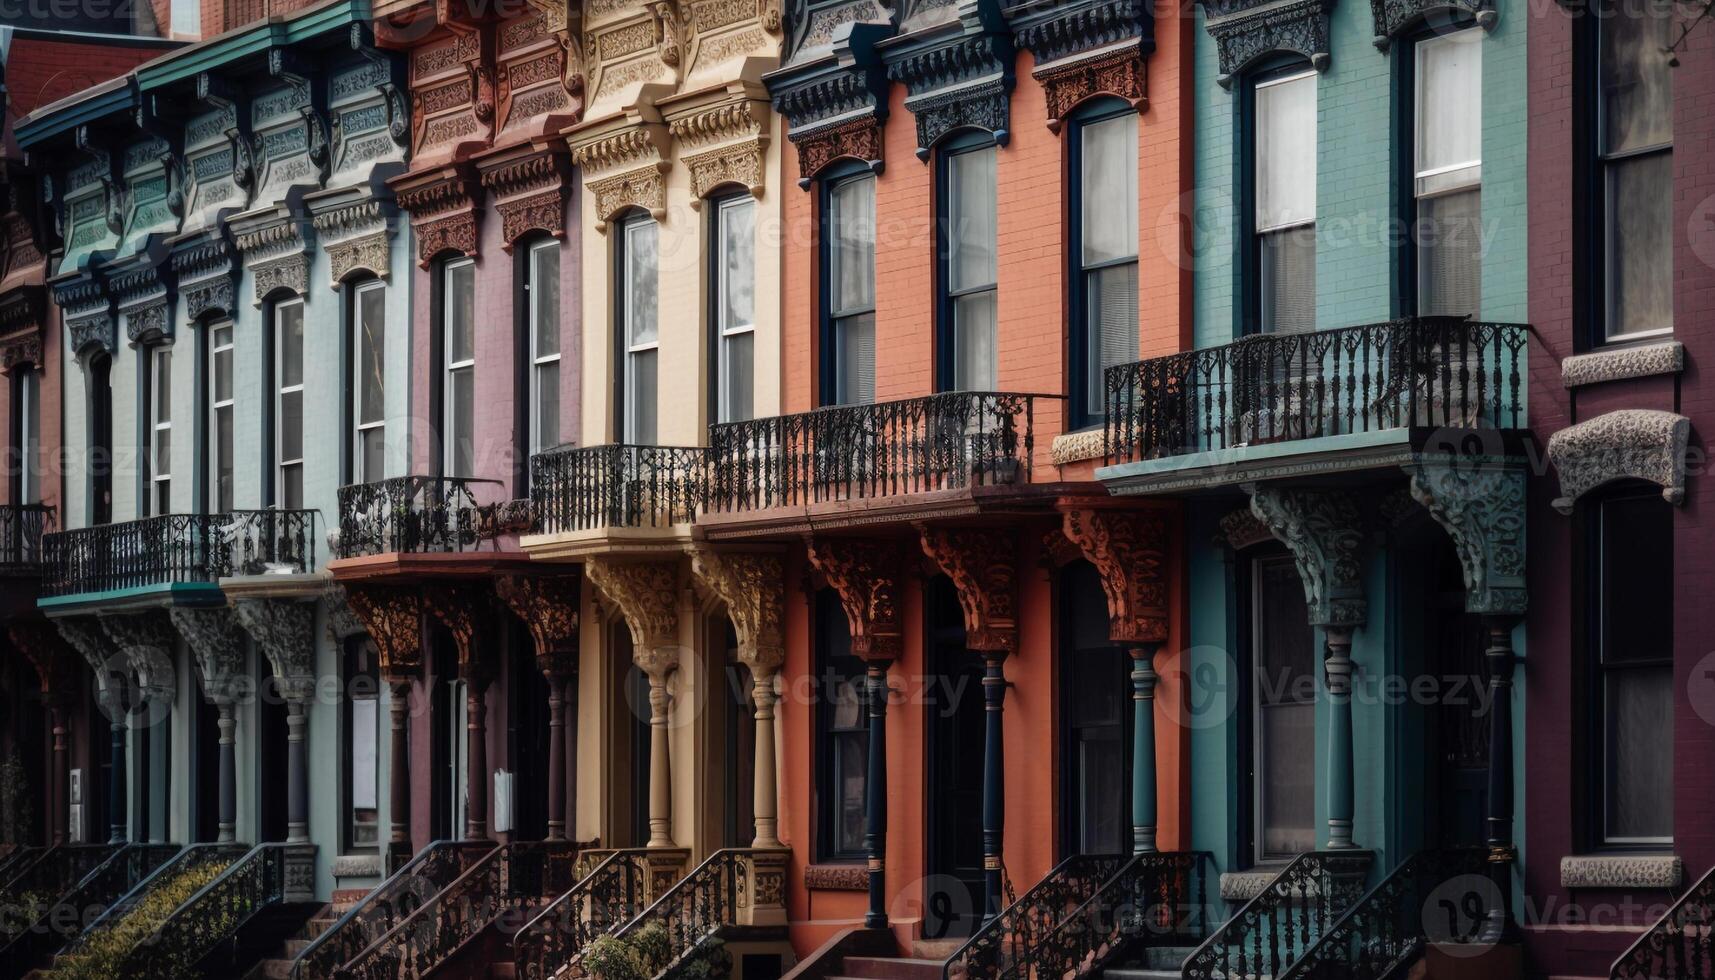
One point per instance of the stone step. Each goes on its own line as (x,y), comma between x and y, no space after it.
(935,949)
(891,968)
(502,970)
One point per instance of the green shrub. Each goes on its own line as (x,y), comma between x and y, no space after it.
(644,954)
(103,956)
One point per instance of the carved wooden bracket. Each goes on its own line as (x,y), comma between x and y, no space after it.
(216,647)
(462,610)
(1480,503)
(753,586)
(647,594)
(1129,550)
(1324,530)
(84,634)
(393,615)
(549,606)
(146,640)
(284,631)
(52,657)
(982,564)
(866,576)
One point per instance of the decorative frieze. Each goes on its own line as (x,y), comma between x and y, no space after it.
(25,349)
(1248,30)
(1129,548)
(140,286)
(1242,529)
(1392,17)
(647,595)
(645,187)
(1632,443)
(857,139)
(291,142)
(1664,871)
(982,565)
(835,106)
(865,575)
(1480,502)
(1324,530)
(959,80)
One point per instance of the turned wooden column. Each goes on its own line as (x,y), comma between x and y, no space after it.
(393,617)
(298,773)
(556,758)
(228,778)
(660,772)
(765,801)
(398,770)
(476,762)
(117,824)
(1143,770)
(1337,668)
(59,776)
(1498,924)
(461,609)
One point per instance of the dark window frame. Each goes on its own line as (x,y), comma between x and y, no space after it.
(829,614)
(1069,660)
(827,366)
(965,141)
(1078,341)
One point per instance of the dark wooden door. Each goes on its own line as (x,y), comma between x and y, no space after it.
(954,768)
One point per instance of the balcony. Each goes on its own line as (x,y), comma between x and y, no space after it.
(177,550)
(1356,397)
(21,529)
(616,486)
(425,515)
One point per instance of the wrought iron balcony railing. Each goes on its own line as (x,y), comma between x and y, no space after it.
(21,529)
(1445,372)
(424,515)
(950,441)
(614,486)
(173,549)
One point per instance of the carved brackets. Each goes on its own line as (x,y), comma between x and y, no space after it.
(342,623)
(47,651)
(753,586)
(461,609)
(549,606)
(1129,549)
(86,636)
(1324,531)
(445,208)
(146,640)
(216,648)
(87,310)
(964,84)
(865,574)
(1480,503)
(1392,17)
(285,632)
(1632,443)
(393,615)
(982,564)
(724,144)
(1245,30)
(647,594)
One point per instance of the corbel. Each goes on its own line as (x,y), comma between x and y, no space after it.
(291,68)
(153,112)
(111,184)
(222,94)
(392,88)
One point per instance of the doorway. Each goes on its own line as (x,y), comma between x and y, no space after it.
(953,747)
(1095,732)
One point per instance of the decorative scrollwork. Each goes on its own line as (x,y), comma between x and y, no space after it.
(1130,551)
(1277,927)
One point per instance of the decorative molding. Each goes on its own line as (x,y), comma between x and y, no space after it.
(1393,17)
(836,877)
(85,635)
(1120,73)
(741,163)
(22,310)
(393,615)
(857,139)
(356,239)
(549,606)
(217,649)
(1324,531)
(1130,551)
(1246,30)
(530,195)
(753,586)
(1637,443)
(866,575)
(981,562)
(86,308)
(342,623)
(1242,886)
(1075,447)
(146,640)
(275,246)
(1643,361)
(966,84)
(207,270)
(645,187)
(1622,871)
(1480,502)
(647,596)
(604,150)
(1242,529)
(285,632)
(26,349)
(357,866)
(445,210)
(463,610)
(1078,28)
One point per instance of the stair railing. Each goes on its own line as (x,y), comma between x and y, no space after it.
(1155,899)
(187,858)
(93,895)
(56,872)
(1432,896)
(1678,945)
(402,893)
(606,898)
(1007,938)
(270,875)
(730,888)
(506,879)
(15,859)
(1272,931)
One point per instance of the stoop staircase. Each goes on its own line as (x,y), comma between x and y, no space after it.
(279,965)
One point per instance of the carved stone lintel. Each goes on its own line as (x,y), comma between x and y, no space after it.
(216,647)
(1246,30)
(356,239)
(856,139)
(986,106)
(549,607)
(865,574)
(645,187)
(982,564)
(1129,549)
(739,164)
(647,594)
(1480,502)
(1631,443)
(444,213)
(26,349)
(1120,73)
(1324,531)
(284,630)
(393,615)
(753,586)
(529,195)
(1392,17)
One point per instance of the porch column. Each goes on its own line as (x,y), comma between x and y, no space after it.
(1129,544)
(284,631)
(145,643)
(647,594)
(865,574)
(393,616)
(753,586)
(54,662)
(461,610)
(399,771)
(116,804)
(548,605)
(476,763)
(1324,530)
(980,563)
(217,650)
(1480,502)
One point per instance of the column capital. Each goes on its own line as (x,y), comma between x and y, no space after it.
(393,615)
(549,606)
(1129,549)
(1479,501)
(216,647)
(982,564)
(52,657)
(461,610)
(146,640)
(85,635)
(1324,530)
(647,594)
(753,586)
(284,630)
(865,573)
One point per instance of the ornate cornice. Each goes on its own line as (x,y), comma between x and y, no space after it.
(445,206)
(647,595)
(285,632)
(865,574)
(275,244)
(529,193)
(1120,73)
(1081,28)
(982,564)
(141,287)
(857,139)
(1246,30)
(217,649)
(290,123)
(453,95)
(1129,549)
(1324,530)
(24,349)
(645,187)
(357,239)
(393,615)
(21,310)
(753,586)
(87,310)
(549,606)
(958,76)
(1480,502)
(206,267)
(1394,17)
(834,84)
(1632,443)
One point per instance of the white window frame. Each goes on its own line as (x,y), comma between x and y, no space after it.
(451,369)
(216,405)
(1260,230)
(954,232)
(839,317)
(360,428)
(629,422)
(281,463)
(538,360)
(160,470)
(29,383)
(1466,174)
(726,331)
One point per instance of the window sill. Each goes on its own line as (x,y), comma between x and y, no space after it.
(1621,363)
(836,877)
(1075,447)
(357,866)
(1621,871)
(1242,886)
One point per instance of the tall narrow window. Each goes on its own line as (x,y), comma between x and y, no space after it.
(1447,178)
(27,435)
(289,404)
(363,735)
(458,367)
(1635,159)
(220,407)
(543,285)
(639,281)
(1283,712)
(1104,331)
(970,233)
(369,386)
(843,749)
(99,376)
(1633,603)
(1285,218)
(735,308)
(161,429)
(850,235)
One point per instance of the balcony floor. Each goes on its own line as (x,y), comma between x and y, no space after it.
(135,597)
(885,510)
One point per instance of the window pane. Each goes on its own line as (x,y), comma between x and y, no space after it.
(223,371)
(1449,266)
(1285,705)
(1285,763)
(1637,579)
(1449,110)
(1109,153)
(1637,81)
(291,425)
(547,404)
(852,217)
(1640,244)
(973,342)
(462,422)
(461,312)
(737,376)
(641,399)
(854,372)
(372,355)
(365,754)
(1112,296)
(163,452)
(1286,152)
(372,449)
(738,268)
(163,385)
(1103,780)
(1640,753)
(289,328)
(1289,280)
(971,231)
(32,432)
(852,762)
(223,459)
(641,279)
(292,487)
(545,293)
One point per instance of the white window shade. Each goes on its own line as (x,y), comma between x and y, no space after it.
(973,230)
(1449,133)
(1286,152)
(1110,189)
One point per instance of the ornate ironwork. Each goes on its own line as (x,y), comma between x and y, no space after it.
(1282,923)
(699,904)
(187,859)
(1005,940)
(16,859)
(616,486)
(1423,371)
(1154,899)
(421,514)
(1391,924)
(174,549)
(71,908)
(21,529)
(259,880)
(955,440)
(272,541)
(390,903)
(38,884)
(1680,945)
(507,880)
(607,897)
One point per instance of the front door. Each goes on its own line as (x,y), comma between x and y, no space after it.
(1459,719)
(953,892)
(1095,712)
